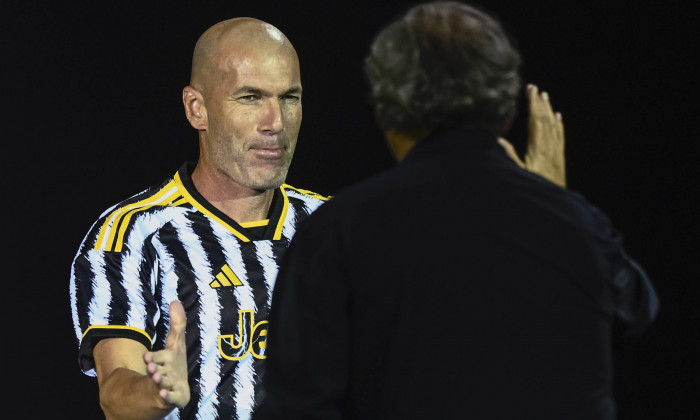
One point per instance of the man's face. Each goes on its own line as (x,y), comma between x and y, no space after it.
(253,115)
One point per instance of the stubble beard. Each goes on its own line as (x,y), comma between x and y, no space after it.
(263,179)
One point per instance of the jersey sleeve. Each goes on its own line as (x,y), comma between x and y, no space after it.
(112,294)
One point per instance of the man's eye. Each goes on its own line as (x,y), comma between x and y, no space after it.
(291,98)
(248,98)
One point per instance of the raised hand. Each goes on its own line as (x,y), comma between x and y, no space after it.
(168,367)
(545,144)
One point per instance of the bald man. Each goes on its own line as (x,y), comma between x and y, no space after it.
(170,289)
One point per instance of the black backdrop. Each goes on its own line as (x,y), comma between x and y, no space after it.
(93,93)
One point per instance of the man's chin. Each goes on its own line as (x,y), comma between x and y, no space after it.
(261,184)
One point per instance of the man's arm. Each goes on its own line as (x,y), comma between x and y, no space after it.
(636,300)
(136,384)
(545,144)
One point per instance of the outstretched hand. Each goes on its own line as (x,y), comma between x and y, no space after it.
(545,144)
(168,367)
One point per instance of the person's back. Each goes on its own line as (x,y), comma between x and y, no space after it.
(475,286)
(457,284)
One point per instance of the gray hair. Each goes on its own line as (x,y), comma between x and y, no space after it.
(443,65)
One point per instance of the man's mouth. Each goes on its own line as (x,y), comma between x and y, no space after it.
(268,152)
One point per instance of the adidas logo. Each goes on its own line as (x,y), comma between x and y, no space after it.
(226,278)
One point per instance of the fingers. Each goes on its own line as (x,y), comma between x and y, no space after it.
(175,346)
(176,395)
(168,367)
(560,125)
(542,115)
(546,124)
(510,151)
(168,370)
(545,146)
(538,102)
(178,322)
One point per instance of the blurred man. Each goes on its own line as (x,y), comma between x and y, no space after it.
(456,285)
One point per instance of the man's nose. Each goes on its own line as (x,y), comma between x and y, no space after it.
(272,121)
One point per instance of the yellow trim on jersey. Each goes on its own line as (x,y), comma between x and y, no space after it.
(283,216)
(176,203)
(116,327)
(256,223)
(280,223)
(108,233)
(201,208)
(127,218)
(174,193)
(307,192)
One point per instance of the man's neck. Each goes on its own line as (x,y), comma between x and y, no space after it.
(245,209)
(240,203)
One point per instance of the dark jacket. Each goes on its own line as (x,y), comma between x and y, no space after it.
(453,286)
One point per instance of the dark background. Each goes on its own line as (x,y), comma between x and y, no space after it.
(95,115)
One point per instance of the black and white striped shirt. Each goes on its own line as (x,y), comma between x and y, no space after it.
(168,243)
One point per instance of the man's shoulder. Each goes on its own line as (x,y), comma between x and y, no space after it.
(149,208)
(152,195)
(304,194)
(302,200)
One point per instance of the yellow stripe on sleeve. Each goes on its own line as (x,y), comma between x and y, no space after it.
(105,239)
(117,327)
(174,194)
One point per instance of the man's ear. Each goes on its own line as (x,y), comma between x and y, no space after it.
(508,123)
(195,110)
(399,144)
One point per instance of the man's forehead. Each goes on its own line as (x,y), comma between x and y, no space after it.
(266,73)
(258,60)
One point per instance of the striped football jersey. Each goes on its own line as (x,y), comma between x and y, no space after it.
(168,243)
